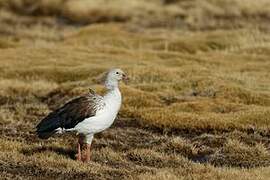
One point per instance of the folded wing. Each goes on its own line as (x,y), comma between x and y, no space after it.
(69,115)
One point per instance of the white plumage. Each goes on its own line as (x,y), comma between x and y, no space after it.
(86,115)
(104,117)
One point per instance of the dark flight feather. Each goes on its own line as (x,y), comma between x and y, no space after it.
(69,115)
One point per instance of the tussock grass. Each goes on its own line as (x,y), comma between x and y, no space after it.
(205,14)
(234,153)
(197,105)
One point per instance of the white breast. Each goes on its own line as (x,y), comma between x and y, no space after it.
(104,117)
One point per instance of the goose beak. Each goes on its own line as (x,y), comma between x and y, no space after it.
(125,78)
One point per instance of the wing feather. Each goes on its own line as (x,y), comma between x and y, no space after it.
(69,115)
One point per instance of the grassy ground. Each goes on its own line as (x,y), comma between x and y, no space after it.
(197,105)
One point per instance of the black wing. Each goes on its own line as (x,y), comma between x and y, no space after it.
(69,115)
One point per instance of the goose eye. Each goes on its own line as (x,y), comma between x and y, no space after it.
(117,72)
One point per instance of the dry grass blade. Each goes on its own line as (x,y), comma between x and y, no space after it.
(197,105)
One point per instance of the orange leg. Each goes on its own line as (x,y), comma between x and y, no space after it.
(79,148)
(87,158)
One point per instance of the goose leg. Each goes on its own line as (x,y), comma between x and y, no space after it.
(88,142)
(87,159)
(79,149)
(79,154)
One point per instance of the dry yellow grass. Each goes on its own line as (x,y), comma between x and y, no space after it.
(197,105)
